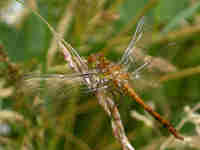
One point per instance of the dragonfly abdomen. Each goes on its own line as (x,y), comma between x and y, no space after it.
(131,92)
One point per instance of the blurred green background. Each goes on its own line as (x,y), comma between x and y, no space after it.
(33,117)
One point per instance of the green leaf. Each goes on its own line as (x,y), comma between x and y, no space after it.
(35,37)
(8,39)
(167,9)
(185,14)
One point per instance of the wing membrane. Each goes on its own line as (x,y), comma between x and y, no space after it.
(57,86)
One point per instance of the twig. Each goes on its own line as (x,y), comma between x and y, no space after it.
(183,33)
(181,74)
(117,126)
(62,27)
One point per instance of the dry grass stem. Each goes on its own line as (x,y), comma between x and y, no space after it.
(62,27)
(182,34)
(117,126)
(181,74)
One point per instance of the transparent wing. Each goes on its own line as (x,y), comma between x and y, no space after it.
(55,86)
(127,56)
(147,70)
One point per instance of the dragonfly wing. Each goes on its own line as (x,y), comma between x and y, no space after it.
(135,38)
(148,74)
(57,86)
(55,92)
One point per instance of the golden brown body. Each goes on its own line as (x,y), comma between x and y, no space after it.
(120,80)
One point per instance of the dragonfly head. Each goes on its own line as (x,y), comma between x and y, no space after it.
(98,61)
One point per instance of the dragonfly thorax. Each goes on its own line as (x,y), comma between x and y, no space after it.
(107,71)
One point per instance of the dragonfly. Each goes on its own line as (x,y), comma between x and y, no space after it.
(98,73)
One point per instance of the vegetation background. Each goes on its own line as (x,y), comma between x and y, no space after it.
(42,118)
